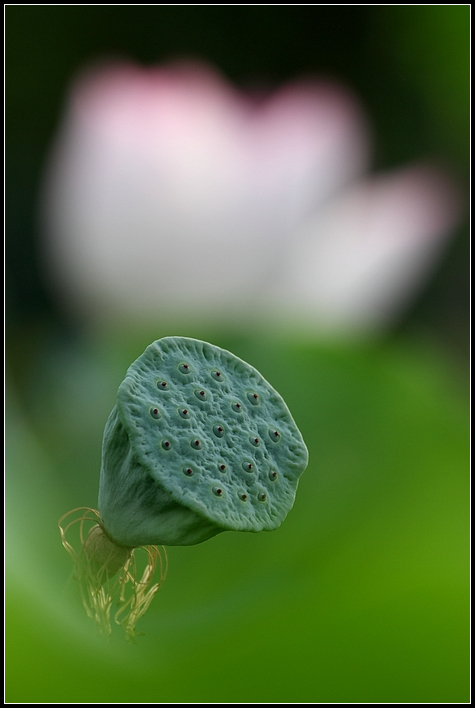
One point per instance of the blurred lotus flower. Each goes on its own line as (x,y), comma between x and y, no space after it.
(170,192)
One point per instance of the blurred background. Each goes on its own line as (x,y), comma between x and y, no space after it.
(332,143)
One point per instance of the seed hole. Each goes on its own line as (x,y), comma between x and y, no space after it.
(254,441)
(166,444)
(184,368)
(237,407)
(262,496)
(185,413)
(217,375)
(188,471)
(222,468)
(218,491)
(196,444)
(218,430)
(155,413)
(274,435)
(247,466)
(272,475)
(162,385)
(242,496)
(201,394)
(253,398)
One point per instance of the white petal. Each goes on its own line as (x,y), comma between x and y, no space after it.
(353,267)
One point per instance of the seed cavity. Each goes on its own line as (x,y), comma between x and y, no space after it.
(184,368)
(242,496)
(166,444)
(217,491)
(162,386)
(236,406)
(218,430)
(184,413)
(222,467)
(200,394)
(272,475)
(196,444)
(188,472)
(254,441)
(274,435)
(262,496)
(247,466)
(155,413)
(253,398)
(217,375)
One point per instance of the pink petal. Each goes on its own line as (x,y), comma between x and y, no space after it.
(169,188)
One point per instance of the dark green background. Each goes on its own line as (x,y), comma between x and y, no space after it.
(362,594)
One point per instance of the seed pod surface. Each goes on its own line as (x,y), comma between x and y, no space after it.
(233,417)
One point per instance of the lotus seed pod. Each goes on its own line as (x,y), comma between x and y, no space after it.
(197,443)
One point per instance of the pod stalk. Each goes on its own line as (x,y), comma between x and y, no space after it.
(108,573)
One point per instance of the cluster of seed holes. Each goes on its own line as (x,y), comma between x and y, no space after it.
(262,496)
(218,430)
(218,491)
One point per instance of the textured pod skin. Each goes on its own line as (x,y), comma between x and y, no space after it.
(135,508)
(198,443)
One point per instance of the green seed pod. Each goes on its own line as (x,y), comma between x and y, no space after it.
(169,478)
